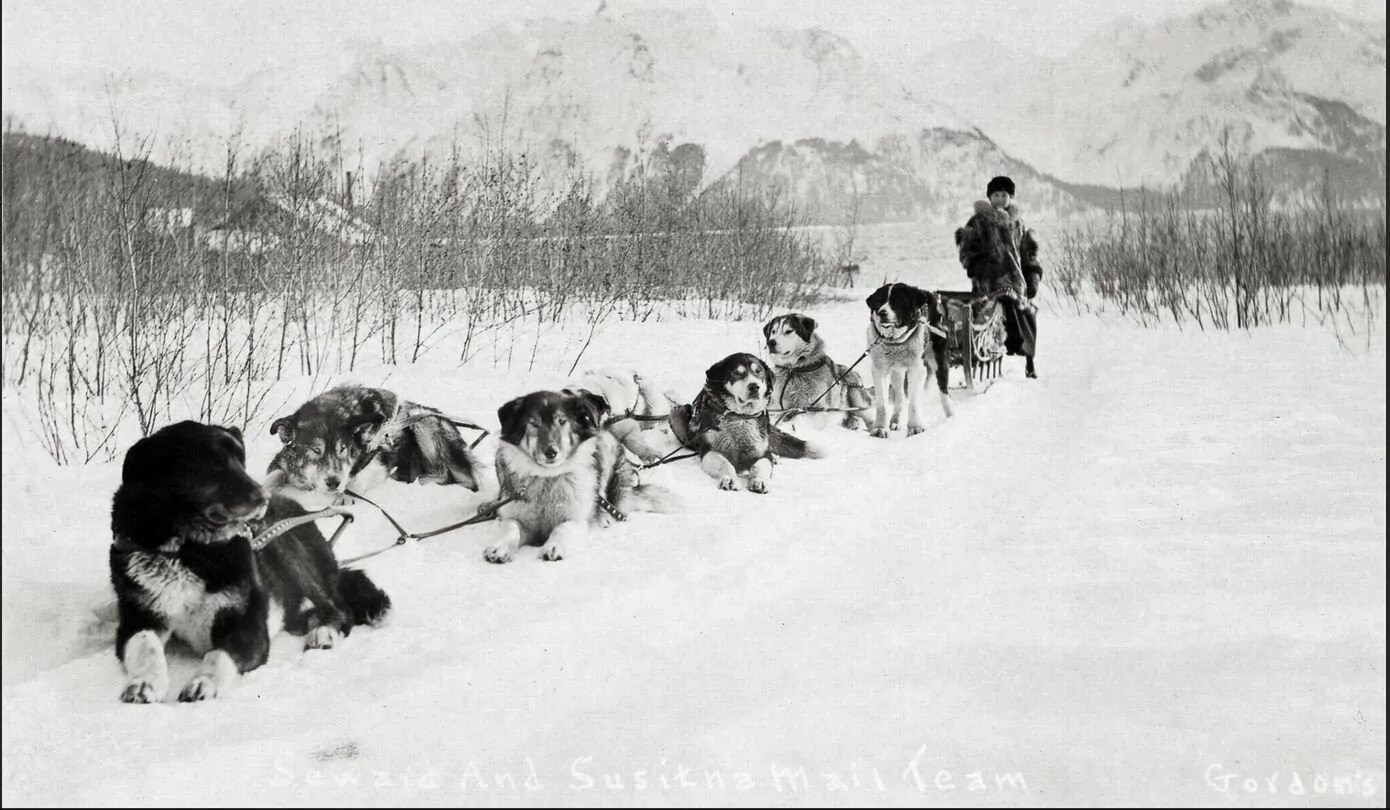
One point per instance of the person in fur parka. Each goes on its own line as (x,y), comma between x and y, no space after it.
(997,250)
(1000,255)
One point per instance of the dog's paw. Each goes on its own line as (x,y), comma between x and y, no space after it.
(499,554)
(323,637)
(203,686)
(143,690)
(879,433)
(757,485)
(913,430)
(853,422)
(553,552)
(893,425)
(728,482)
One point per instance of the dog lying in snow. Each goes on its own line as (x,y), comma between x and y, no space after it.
(627,394)
(566,471)
(728,424)
(905,353)
(356,437)
(805,374)
(182,566)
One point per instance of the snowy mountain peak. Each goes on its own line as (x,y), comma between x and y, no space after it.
(1138,103)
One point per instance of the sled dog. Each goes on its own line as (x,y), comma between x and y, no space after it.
(805,374)
(563,473)
(356,437)
(905,352)
(728,424)
(182,566)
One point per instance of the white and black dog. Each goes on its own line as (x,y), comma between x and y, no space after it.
(907,346)
(182,565)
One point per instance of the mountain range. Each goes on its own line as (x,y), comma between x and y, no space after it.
(799,109)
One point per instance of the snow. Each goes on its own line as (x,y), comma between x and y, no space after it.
(1161,564)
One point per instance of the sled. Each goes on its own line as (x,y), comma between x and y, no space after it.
(975,333)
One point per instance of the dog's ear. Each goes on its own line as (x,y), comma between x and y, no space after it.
(719,372)
(144,461)
(960,236)
(591,408)
(509,417)
(803,325)
(235,433)
(373,409)
(917,298)
(598,402)
(285,427)
(877,297)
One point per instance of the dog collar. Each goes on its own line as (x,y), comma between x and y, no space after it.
(806,369)
(916,326)
(737,415)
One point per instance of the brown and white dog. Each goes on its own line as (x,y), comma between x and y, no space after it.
(561,473)
(905,352)
(354,436)
(806,376)
(729,426)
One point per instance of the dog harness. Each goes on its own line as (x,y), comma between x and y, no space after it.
(842,378)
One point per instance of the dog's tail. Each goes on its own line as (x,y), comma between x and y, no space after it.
(652,498)
(431,448)
(789,446)
(366,603)
(629,492)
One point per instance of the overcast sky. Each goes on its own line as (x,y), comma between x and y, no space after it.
(222,42)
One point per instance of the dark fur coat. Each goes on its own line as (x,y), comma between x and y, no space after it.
(995,243)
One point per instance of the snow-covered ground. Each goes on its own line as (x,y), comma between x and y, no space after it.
(1155,574)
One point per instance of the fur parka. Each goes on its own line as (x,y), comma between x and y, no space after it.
(995,243)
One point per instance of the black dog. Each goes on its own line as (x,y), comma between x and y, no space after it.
(182,565)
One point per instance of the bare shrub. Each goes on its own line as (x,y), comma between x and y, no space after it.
(135,294)
(1244,263)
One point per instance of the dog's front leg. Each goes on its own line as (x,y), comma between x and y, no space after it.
(900,396)
(330,625)
(720,469)
(758,475)
(884,388)
(916,382)
(240,643)
(142,655)
(557,545)
(504,550)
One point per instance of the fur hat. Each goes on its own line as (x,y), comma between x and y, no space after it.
(1000,183)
